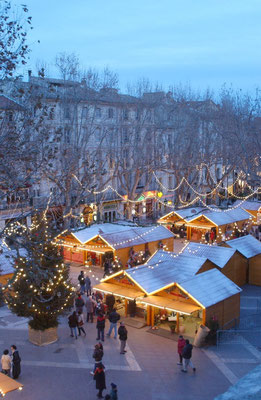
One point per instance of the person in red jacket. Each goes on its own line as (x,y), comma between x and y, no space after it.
(181,345)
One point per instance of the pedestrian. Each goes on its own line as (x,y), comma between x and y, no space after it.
(80,324)
(181,345)
(88,286)
(79,303)
(16,362)
(186,355)
(100,325)
(81,280)
(207,236)
(97,355)
(73,323)
(113,318)
(114,392)
(212,236)
(6,362)
(99,377)
(106,267)
(90,306)
(123,335)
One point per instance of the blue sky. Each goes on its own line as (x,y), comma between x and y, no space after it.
(203,42)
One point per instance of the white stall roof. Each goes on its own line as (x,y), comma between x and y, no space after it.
(84,235)
(154,276)
(248,205)
(137,235)
(225,217)
(216,254)
(246,245)
(210,287)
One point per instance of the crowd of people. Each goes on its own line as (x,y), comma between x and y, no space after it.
(11,363)
(95,307)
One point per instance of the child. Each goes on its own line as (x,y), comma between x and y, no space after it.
(6,362)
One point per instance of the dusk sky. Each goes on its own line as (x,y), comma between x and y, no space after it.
(203,42)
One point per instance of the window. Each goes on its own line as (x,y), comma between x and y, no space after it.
(125,114)
(137,135)
(36,192)
(85,112)
(169,141)
(137,114)
(148,115)
(67,135)
(98,133)
(110,113)
(98,112)
(125,135)
(67,112)
(170,182)
(51,113)
(10,116)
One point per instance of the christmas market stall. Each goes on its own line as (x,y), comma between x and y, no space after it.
(252,207)
(250,248)
(127,245)
(7,259)
(227,260)
(218,225)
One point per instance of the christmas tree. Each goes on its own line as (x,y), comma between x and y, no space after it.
(40,288)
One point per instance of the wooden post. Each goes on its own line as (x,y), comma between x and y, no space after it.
(152,317)
(177,328)
(148,315)
(126,307)
(204,316)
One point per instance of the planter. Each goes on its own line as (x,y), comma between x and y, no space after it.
(42,338)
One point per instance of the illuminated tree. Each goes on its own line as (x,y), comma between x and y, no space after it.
(40,288)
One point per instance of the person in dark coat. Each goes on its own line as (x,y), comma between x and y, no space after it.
(181,345)
(113,318)
(81,280)
(16,362)
(100,325)
(186,355)
(73,323)
(88,286)
(79,303)
(97,355)
(99,377)
(123,335)
(90,305)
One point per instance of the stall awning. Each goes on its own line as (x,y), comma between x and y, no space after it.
(169,304)
(122,291)
(8,384)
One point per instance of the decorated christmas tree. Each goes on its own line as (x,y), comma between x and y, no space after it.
(40,288)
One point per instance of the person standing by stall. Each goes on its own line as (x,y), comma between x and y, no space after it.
(90,306)
(100,325)
(113,318)
(88,286)
(181,345)
(186,355)
(123,336)
(81,280)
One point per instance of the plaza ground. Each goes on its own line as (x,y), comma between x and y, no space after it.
(149,369)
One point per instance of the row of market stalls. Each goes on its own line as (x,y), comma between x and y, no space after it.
(100,241)
(191,288)
(172,287)
(204,225)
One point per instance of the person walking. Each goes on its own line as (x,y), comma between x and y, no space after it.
(100,325)
(88,286)
(114,392)
(81,280)
(123,335)
(113,318)
(90,306)
(79,303)
(97,355)
(80,323)
(16,362)
(99,377)
(73,323)
(6,362)
(181,345)
(186,355)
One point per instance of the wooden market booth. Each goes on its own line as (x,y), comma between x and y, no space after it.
(167,289)
(253,208)
(227,260)
(223,222)
(250,249)
(113,241)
